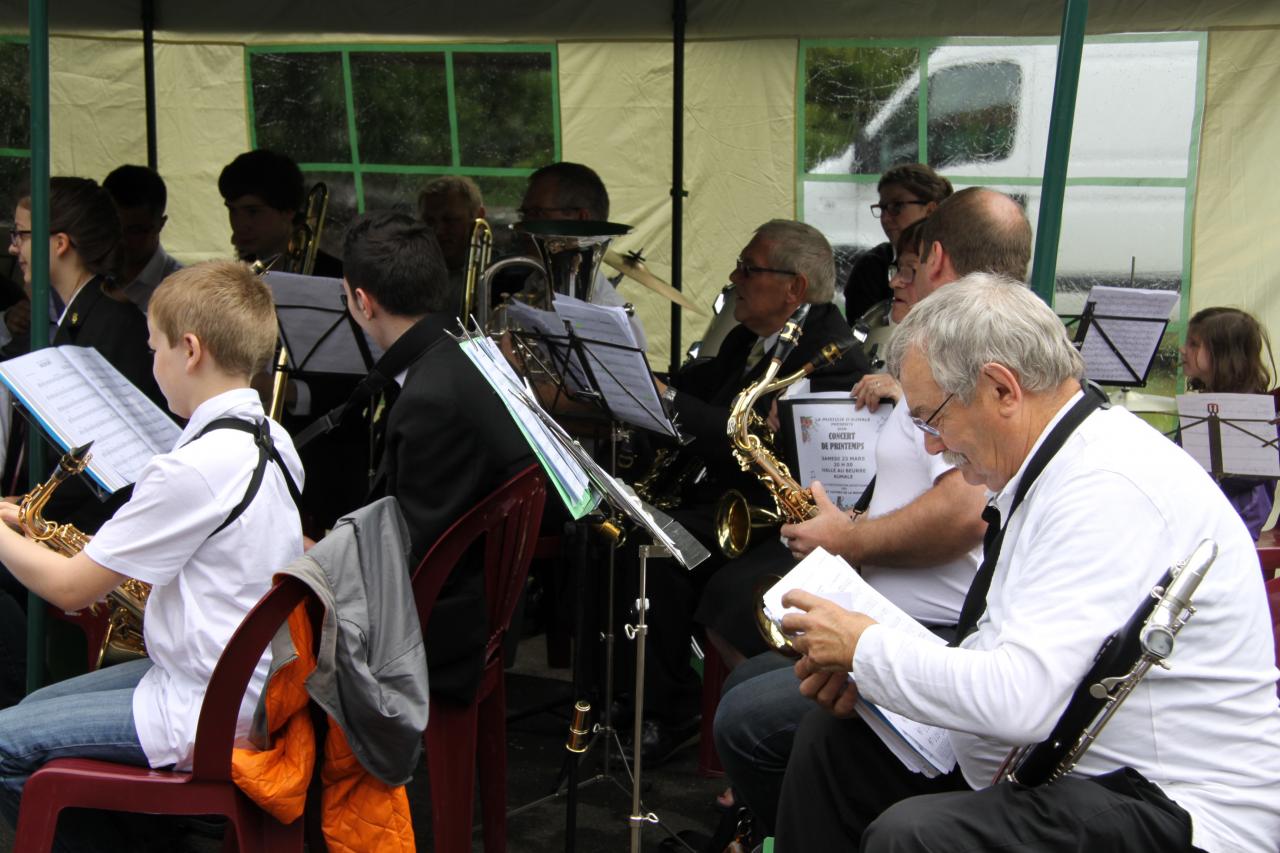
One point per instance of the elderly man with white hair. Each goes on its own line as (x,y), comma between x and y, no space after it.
(1089,507)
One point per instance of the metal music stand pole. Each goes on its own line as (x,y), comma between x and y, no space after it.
(638,632)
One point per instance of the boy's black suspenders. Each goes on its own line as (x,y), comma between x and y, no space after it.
(261,432)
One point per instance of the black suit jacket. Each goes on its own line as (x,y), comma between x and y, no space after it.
(706,391)
(118,330)
(449,443)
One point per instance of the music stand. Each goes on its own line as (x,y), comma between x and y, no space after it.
(669,537)
(1119,331)
(1239,435)
(316,329)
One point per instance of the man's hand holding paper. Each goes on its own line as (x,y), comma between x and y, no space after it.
(825,632)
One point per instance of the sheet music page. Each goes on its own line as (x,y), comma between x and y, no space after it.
(1135,339)
(314,324)
(620,369)
(78,397)
(550,325)
(830,577)
(565,472)
(1248,440)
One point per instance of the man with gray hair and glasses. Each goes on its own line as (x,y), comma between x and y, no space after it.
(1089,507)
(786,264)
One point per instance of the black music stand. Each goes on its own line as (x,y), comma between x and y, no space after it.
(1247,427)
(591,374)
(316,329)
(1123,364)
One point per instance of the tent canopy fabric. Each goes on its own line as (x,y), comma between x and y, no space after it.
(615,96)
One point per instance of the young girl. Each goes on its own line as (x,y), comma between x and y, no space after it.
(1223,354)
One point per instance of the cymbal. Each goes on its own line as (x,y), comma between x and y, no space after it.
(634,269)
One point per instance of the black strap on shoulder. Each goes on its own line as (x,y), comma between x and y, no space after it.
(398,357)
(975,600)
(261,432)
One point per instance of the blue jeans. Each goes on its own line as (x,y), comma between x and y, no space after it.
(756,723)
(89,716)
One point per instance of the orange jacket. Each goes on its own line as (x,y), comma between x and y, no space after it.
(359,812)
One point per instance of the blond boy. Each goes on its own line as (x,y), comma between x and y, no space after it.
(194,528)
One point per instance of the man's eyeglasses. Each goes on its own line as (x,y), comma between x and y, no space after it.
(17,235)
(906,272)
(746,270)
(926,425)
(894,208)
(542,212)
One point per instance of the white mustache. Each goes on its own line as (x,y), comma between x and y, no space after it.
(954,459)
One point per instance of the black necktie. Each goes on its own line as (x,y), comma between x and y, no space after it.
(975,600)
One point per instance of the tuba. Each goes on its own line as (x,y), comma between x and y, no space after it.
(127,602)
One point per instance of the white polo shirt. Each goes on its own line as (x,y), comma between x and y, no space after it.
(203,585)
(1115,507)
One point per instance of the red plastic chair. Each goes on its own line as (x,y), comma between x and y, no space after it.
(1269,552)
(207,789)
(508,521)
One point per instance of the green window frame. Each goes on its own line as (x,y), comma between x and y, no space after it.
(358,166)
(923,47)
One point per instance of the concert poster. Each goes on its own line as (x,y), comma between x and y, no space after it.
(828,440)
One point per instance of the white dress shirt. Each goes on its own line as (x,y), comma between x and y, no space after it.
(1115,507)
(160,267)
(203,585)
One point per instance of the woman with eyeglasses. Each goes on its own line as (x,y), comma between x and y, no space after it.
(86,310)
(908,193)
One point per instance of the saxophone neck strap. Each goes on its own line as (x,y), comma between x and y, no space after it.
(261,432)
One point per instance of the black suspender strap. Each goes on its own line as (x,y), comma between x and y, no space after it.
(975,600)
(261,432)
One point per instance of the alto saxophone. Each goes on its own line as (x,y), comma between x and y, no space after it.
(793,503)
(126,603)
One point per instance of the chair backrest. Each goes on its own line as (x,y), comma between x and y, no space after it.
(216,730)
(508,521)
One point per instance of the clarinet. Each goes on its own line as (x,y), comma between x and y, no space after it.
(1122,661)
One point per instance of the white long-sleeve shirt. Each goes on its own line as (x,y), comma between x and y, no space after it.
(1115,507)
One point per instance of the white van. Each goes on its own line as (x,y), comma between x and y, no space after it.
(988,123)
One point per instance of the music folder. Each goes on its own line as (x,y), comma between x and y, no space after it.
(316,328)
(76,396)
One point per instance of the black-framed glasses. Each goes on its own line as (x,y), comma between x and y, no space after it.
(925,425)
(343,297)
(745,269)
(906,272)
(894,208)
(542,212)
(17,235)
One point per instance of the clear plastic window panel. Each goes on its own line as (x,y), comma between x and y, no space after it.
(299,106)
(503,102)
(402,108)
(342,207)
(841,210)
(1135,108)
(861,108)
(396,192)
(15,117)
(973,114)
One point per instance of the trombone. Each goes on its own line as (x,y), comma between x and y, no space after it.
(300,257)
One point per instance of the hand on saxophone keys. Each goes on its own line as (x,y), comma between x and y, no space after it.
(827,529)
